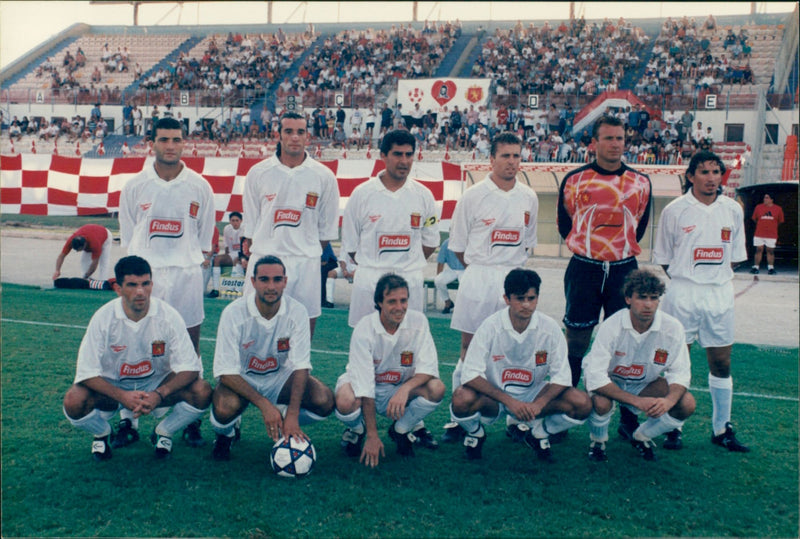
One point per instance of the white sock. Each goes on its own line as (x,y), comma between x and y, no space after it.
(655,426)
(353,420)
(471,424)
(92,422)
(598,426)
(456,380)
(555,423)
(416,410)
(722,400)
(770,266)
(206,278)
(330,286)
(216,272)
(307,417)
(226,429)
(182,414)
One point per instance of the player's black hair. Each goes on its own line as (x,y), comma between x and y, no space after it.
(131,265)
(235,214)
(506,137)
(397,137)
(78,243)
(268,259)
(643,282)
(520,280)
(605,120)
(387,283)
(703,156)
(289,115)
(167,123)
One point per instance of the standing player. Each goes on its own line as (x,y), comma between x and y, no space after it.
(95,242)
(700,235)
(389,224)
(493,227)
(263,356)
(506,371)
(291,203)
(603,210)
(392,370)
(136,355)
(767,217)
(638,359)
(166,216)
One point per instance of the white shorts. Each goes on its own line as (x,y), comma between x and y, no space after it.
(383,392)
(767,242)
(706,311)
(362,295)
(270,387)
(303,281)
(104,270)
(182,288)
(480,295)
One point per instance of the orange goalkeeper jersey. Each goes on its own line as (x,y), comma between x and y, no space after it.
(603,214)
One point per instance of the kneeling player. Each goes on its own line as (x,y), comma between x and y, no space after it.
(506,368)
(639,359)
(393,369)
(263,356)
(136,355)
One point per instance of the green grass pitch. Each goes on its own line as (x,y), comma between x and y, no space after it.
(51,487)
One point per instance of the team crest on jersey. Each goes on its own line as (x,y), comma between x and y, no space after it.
(388,377)
(311,199)
(629,372)
(406,358)
(373,218)
(270,197)
(166,228)
(707,256)
(688,229)
(283,344)
(660,357)
(416,219)
(517,377)
(118,348)
(541,358)
(159,348)
(194,209)
(527,218)
(506,238)
(143,369)
(498,357)
(145,206)
(261,366)
(393,243)
(726,234)
(287,217)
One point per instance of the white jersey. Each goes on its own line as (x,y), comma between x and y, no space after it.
(516,362)
(263,352)
(379,358)
(700,241)
(622,355)
(232,239)
(168,223)
(131,354)
(387,229)
(493,227)
(288,211)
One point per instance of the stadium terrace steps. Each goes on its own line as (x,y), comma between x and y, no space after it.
(451,58)
(164,62)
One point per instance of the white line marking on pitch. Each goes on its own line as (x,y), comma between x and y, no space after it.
(336,353)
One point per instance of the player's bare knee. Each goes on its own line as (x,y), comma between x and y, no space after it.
(435,390)
(199,394)
(685,407)
(346,402)
(463,401)
(580,403)
(77,402)
(320,401)
(601,404)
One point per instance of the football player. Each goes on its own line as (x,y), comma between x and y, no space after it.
(638,359)
(137,355)
(392,370)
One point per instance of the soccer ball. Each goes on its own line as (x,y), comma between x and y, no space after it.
(292,457)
